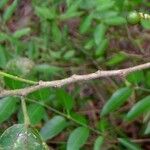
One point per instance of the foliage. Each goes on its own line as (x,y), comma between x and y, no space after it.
(47,40)
(77,138)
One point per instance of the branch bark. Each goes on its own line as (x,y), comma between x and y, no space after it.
(74,78)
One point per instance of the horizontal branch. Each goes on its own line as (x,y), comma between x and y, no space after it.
(74,78)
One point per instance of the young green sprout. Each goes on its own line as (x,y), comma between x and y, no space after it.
(135,17)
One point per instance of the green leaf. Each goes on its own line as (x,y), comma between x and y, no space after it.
(115,21)
(105,5)
(69,54)
(56,32)
(146,24)
(22,32)
(3,60)
(73,7)
(41,95)
(78,117)
(99,33)
(4,36)
(129,145)
(136,77)
(12,84)
(77,138)
(3,3)
(56,54)
(68,2)
(116,59)
(19,137)
(86,4)
(36,114)
(89,44)
(147,78)
(147,130)
(67,16)
(103,125)
(47,69)
(45,13)
(85,25)
(53,127)
(105,15)
(10,10)
(98,143)
(100,51)
(7,107)
(138,109)
(65,99)
(116,101)
(120,5)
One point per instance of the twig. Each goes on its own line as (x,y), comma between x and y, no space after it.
(74,78)
(141,140)
(91,142)
(17,78)
(142,89)
(25,113)
(65,115)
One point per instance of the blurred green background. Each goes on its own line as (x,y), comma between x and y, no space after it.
(53,39)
